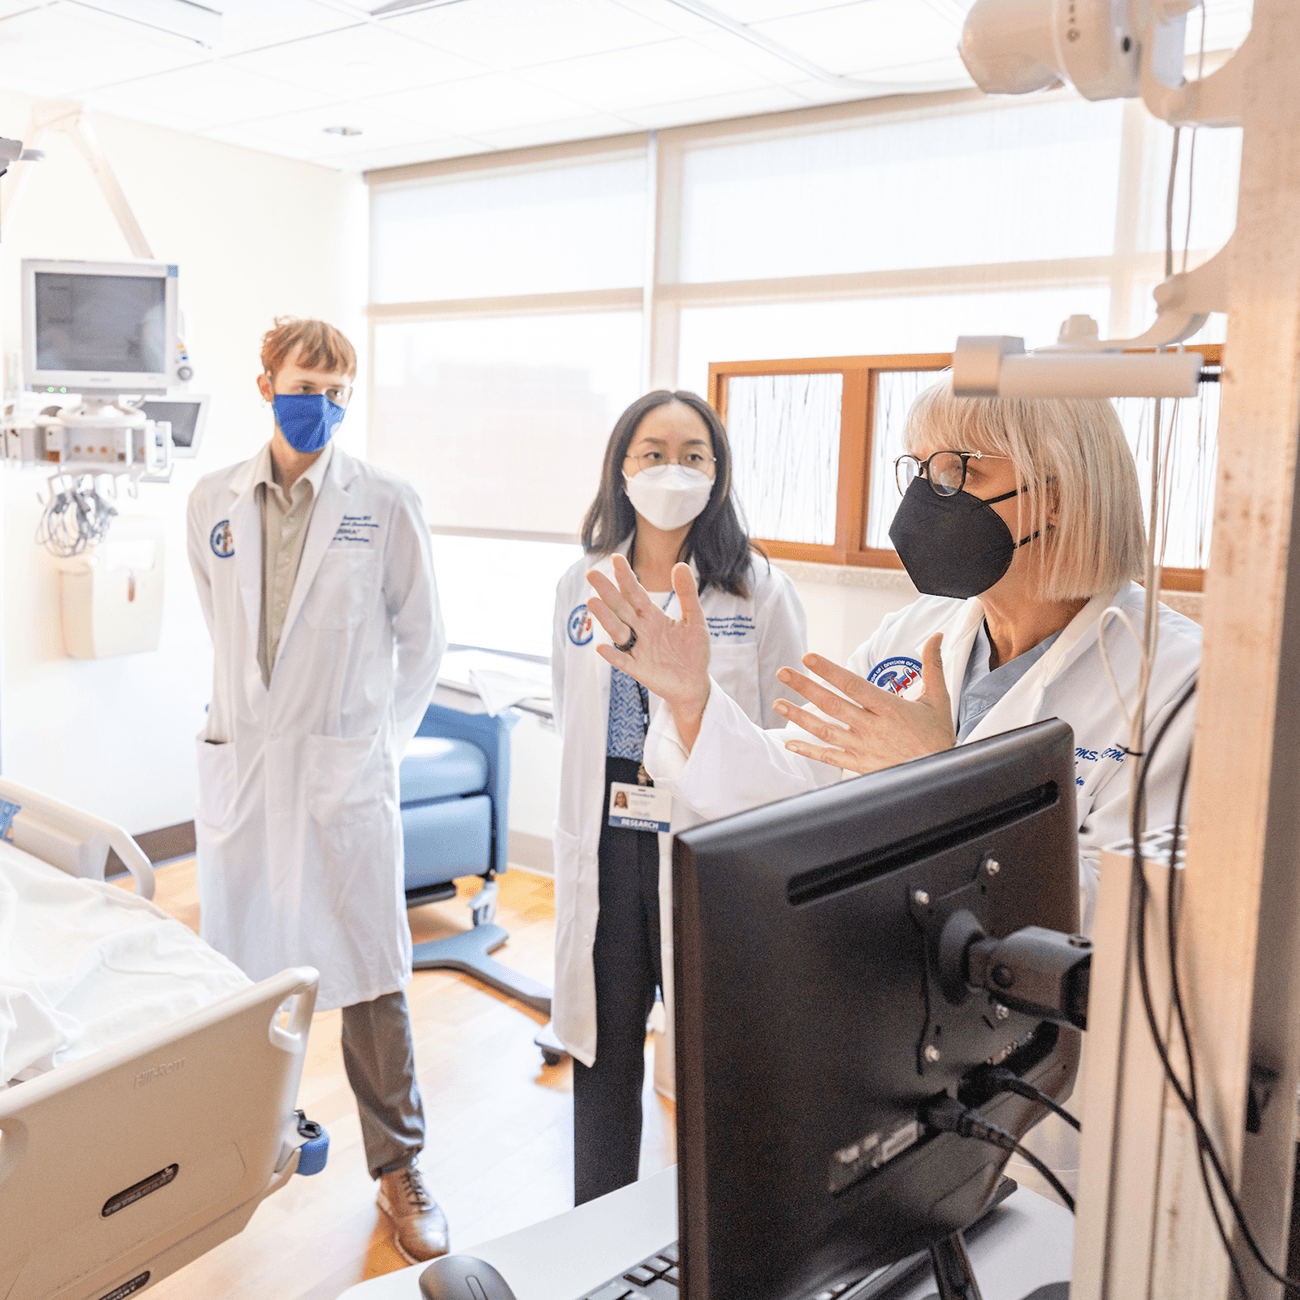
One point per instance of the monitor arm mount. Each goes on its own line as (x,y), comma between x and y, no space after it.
(1039,972)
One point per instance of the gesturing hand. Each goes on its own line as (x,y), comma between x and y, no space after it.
(669,656)
(873,728)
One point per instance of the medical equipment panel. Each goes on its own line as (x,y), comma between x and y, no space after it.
(100,328)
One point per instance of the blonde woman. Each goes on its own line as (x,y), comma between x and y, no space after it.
(1021,523)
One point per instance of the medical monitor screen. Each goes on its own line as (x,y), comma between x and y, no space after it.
(186,417)
(106,324)
(811,1031)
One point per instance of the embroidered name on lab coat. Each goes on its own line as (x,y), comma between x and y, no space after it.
(1083,755)
(737,627)
(356,528)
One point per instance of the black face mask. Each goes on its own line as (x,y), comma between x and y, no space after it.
(952,546)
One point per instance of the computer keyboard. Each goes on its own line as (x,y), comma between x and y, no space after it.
(656,1278)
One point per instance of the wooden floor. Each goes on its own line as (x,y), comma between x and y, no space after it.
(499,1145)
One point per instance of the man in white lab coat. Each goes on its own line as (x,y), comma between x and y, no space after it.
(315,574)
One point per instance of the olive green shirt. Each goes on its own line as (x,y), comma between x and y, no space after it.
(285,517)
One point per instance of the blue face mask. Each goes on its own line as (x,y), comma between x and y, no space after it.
(307,420)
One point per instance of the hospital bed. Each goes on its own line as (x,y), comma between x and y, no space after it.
(130,1142)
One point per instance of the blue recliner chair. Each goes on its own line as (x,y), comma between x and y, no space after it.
(455,788)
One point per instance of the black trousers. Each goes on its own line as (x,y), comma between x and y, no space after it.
(626,955)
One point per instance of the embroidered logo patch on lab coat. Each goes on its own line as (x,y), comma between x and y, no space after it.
(7,813)
(895,674)
(580,629)
(223,544)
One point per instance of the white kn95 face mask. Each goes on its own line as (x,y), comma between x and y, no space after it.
(668,495)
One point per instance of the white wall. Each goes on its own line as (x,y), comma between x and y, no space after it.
(255,236)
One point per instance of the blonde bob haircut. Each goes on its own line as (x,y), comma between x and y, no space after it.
(1080,485)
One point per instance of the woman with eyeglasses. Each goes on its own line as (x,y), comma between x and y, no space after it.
(665,500)
(1021,525)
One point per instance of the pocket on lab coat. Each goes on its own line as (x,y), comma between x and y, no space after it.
(345,777)
(734,666)
(344,589)
(218,783)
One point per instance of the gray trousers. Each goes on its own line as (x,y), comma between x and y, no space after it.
(379,1058)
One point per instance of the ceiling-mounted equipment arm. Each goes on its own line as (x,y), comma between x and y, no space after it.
(1213,100)
(70,117)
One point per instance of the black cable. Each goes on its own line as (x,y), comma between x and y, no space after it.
(948,1115)
(1007,1081)
(1171,931)
(1204,1139)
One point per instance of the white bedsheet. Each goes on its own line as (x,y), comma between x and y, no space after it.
(84,964)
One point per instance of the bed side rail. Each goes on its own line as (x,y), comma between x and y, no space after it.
(68,838)
(120,1168)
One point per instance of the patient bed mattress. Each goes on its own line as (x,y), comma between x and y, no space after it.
(84,964)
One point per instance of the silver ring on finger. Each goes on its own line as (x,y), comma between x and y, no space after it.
(626,646)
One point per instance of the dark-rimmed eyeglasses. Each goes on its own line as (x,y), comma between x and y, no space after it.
(944,471)
(689,459)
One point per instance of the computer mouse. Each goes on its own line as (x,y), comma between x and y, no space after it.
(462,1277)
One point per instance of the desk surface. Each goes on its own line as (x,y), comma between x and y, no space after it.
(1026,1245)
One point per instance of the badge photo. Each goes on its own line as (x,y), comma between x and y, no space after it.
(639,807)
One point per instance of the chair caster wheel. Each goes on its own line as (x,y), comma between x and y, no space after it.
(553,1051)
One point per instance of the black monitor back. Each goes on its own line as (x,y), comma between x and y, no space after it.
(810,1025)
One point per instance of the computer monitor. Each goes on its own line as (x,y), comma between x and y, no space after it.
(99,328)
(187,415)
(812,1026)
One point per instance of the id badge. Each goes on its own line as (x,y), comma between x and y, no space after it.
(639,807)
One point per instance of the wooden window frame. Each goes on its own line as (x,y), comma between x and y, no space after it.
(857,422)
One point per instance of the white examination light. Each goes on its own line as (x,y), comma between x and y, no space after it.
(998,366)
(1013,47)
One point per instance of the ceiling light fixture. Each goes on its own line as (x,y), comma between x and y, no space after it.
(342,130)
(390,8)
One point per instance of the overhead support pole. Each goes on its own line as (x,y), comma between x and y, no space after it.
(70,117)
(1239,935)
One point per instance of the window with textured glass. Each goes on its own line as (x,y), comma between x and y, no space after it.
(785,442)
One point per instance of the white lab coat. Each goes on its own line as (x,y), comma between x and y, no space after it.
(734,765)
(751,637)
(298,830)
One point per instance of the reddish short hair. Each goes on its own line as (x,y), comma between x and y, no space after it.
(320,346)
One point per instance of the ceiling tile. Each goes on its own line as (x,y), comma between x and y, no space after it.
(492,103)
(519,33)
(668,72)
(736,49)
(359,61)
(62,49)
(590,127)
(304,134)
(252,24)
(209,94)
(946,73)
(678,20)
(402,155)
(715,108)
(758,11)
(867,34)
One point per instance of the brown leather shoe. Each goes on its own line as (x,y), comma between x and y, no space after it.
(419,1225)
